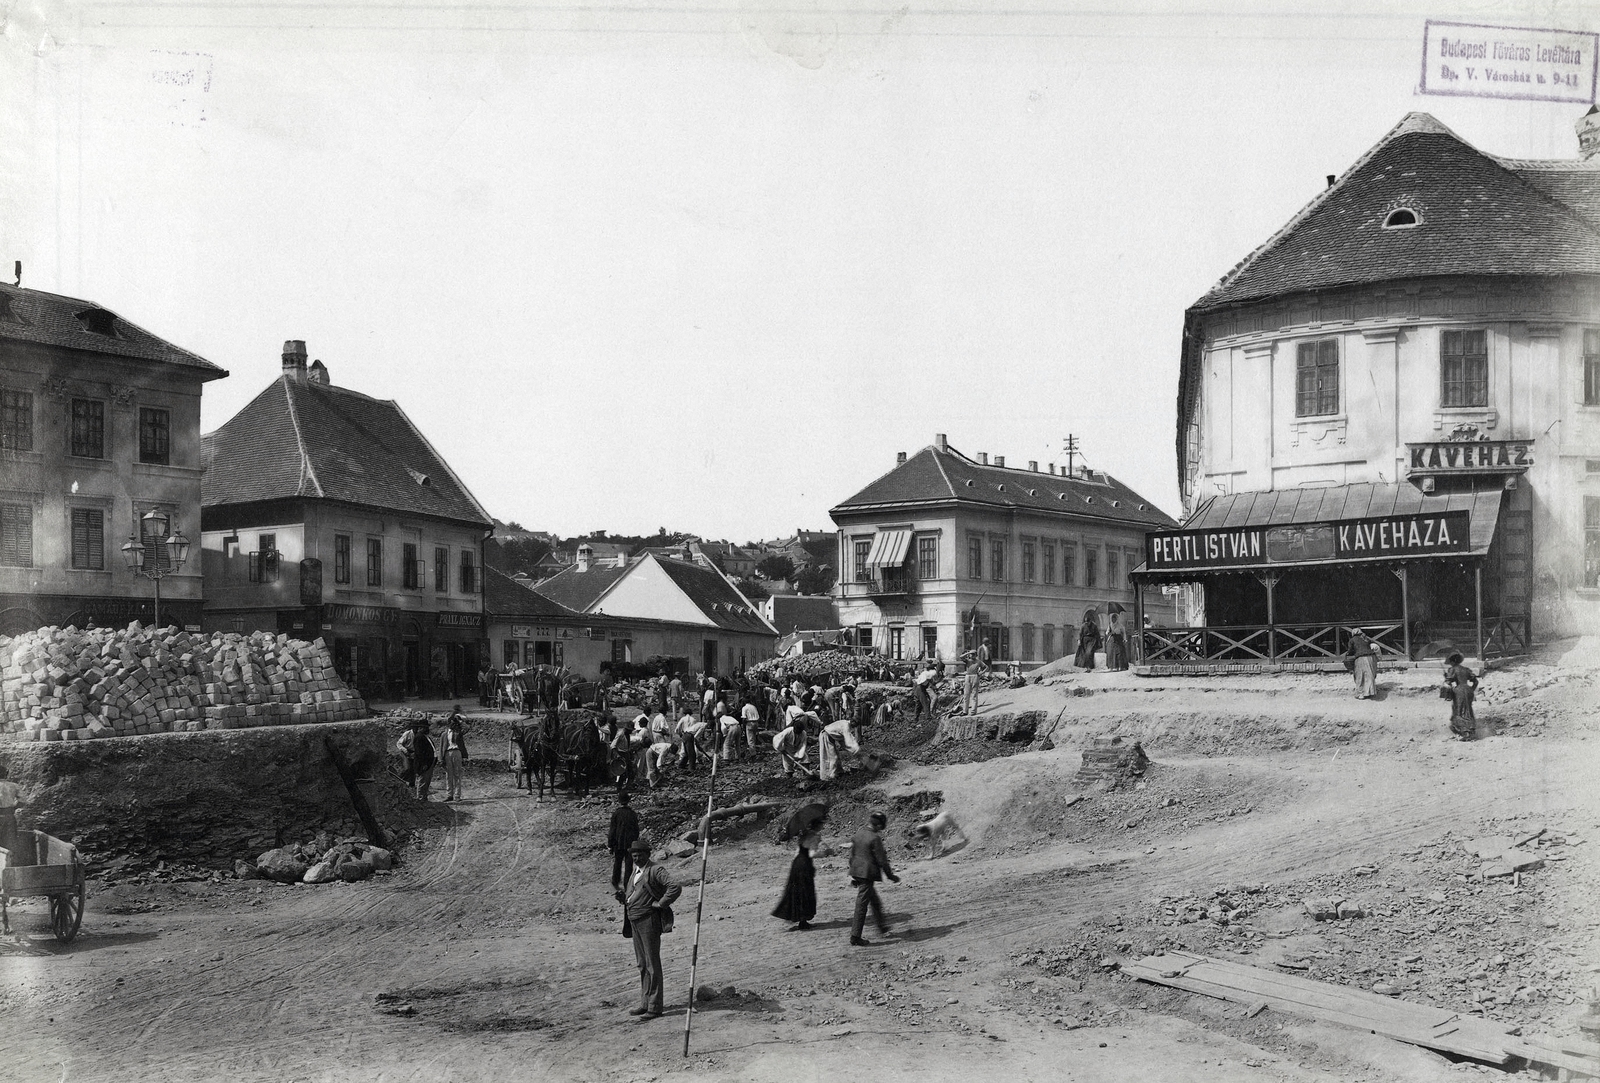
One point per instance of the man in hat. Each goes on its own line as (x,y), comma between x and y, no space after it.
(869,863)
(453,750)
(420,757)
(648,899)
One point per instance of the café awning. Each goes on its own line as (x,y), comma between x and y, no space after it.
(1332,525)
(889,549)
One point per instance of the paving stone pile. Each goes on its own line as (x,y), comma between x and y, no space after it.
(63,684)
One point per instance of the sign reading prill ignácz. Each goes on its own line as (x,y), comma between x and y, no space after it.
(1470,60)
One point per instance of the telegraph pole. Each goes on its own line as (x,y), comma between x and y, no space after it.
(1071,447)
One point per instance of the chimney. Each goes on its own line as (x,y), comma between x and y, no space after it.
(941,442)
(584,553)
(1052,468)
(900,458)
(1331,178)
(999,460)
(294,360)
(1589,133)
(317,373)
(983,458)
(1033,464)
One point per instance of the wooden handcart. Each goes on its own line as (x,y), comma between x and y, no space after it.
(44,865)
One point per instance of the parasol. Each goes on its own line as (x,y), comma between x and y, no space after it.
(1115,607)
(805,820)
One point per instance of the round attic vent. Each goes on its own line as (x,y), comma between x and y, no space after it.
(1033,492)
(1061,496)
(1401,218)
(969,483)
(1088,500)
(1002,488)
(1116,503)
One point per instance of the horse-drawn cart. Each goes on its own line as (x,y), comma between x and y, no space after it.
(44,865)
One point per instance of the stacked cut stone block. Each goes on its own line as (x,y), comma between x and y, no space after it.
(63,684)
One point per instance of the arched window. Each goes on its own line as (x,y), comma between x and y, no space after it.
(1400,218)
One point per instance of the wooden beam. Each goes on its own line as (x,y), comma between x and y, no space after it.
(1477,588)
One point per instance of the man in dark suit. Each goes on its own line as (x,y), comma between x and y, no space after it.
(648,897)
(624,829)
(869,863)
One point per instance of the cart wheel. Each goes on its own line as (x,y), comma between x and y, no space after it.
(66,914)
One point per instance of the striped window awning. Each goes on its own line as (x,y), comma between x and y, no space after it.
(889,549)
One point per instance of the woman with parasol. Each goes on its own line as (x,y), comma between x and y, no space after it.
(1116,639)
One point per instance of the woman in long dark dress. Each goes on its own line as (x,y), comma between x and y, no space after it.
(1088,640)
(1462,685)
(799,902)
(1116,644)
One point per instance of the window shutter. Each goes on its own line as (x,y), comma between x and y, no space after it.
(96,529)
(80,539)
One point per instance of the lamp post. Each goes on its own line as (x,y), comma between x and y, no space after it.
(144,557)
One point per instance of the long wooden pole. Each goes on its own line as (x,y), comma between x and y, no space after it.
(700,903)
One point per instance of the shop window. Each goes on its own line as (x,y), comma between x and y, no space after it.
(997,560)
(409,564)
(1464,368)
(1047,555)
(862,549)
(1591,368)
(374,562)
(1316,378)
(975,558)
(89,538)
(155,435)
(16,420)
(927,558)
(88,429)
(1069,564)
(469,572)
(897,642)
(341,558)
(441,569)
(1591,542)
(1027,561)
(1027,642)
(1047,643)
(16,535)
(1091,567)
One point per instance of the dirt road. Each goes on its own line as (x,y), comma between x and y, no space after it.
(501,945)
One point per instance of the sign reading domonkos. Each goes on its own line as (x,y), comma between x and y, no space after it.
(1347,539)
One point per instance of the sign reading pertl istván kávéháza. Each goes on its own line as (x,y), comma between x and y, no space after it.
(1470,456)
(1303,543)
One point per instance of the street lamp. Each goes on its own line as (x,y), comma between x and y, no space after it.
(144,557)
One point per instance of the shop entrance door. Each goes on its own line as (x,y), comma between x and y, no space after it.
(413,667)
(708,658)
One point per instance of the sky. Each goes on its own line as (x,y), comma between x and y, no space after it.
(704,267)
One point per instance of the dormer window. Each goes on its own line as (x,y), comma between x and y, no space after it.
(1401,218)
(97,321)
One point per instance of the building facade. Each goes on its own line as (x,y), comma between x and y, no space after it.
(327,513)
(1389,413)
(99,424)
(944,540)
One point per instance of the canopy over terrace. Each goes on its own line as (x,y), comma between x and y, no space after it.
(1358,556)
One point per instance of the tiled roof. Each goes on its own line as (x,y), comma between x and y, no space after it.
(303,439)
(506,599)
(49,319)
(1478,217)
(579,590)
(935,476)
(717,598)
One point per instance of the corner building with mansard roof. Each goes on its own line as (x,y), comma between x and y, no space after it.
(1389,413)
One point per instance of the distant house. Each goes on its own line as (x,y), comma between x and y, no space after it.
(800,613)
(671,608)
(598,552)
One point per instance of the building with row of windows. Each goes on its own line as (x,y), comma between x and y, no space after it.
(327,513)
(945,542)
(99,426)
(1389,413)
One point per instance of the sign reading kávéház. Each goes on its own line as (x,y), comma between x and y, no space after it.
(1471,456)
(1297,543)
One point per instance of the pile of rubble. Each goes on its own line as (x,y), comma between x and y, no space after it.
(63,684)
(348,860)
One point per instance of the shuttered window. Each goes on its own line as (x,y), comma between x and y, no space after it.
(441,569)
(408,565)
(1316,378)
(89,538)
(1591,368)
(1464,368)
(469,572)
(374,562)
(16,535)
(341,558)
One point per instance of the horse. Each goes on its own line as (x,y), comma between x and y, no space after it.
(530,760)
(583,754)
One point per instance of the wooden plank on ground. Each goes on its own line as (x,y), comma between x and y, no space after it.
(1415,1024)
(1552,1053)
